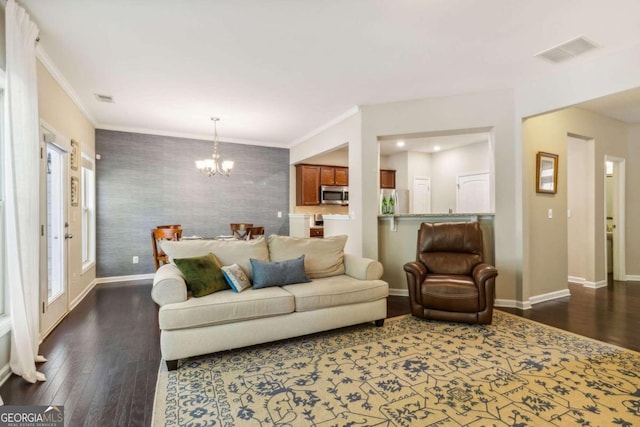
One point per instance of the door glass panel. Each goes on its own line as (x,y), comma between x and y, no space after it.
(55,223)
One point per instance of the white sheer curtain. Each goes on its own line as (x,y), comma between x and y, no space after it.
(22,192)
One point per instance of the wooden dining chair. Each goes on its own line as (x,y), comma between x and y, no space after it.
(255,232)
(240,230)
(159,234)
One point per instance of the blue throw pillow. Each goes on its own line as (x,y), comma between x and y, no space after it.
(278,273)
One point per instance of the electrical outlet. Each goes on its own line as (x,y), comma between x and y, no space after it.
(135,260)
(279,214)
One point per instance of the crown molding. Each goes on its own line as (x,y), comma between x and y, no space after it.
(187,135)
(350,112)
(48,63)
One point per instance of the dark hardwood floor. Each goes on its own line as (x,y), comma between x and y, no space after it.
(103,358)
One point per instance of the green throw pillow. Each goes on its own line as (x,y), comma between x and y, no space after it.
(203,274)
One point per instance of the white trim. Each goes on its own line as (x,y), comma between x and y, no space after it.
(398,292)
(83,294)
(595,285)
(44,58)
(633,277)
(511,303)
(187,135)
(88,266)
(350,112)
(577,280)
(5,373)
(5,325)
(133,277)
(549,296)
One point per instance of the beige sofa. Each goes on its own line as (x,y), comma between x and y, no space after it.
(344,290)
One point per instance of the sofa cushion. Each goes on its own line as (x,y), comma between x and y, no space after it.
(236,277)
(227,251)
(225,307)
(323,257)
(336,291)
(278,273)
(202,274)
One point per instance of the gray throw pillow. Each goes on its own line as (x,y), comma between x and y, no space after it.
(278,273)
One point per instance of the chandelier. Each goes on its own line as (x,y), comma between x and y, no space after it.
(215,165)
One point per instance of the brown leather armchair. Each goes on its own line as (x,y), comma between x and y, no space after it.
(449,280)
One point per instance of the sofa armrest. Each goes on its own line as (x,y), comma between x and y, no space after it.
(362,268)
(168,286)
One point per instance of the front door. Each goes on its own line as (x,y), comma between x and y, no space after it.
(53,235)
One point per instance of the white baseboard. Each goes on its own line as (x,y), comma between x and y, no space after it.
(398,292)
(577,280)
(133,277)
(536,299)
(83,294)
(512,303)
(595,285)
(632,277)
(5,373)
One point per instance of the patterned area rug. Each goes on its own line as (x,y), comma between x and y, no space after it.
(410,372)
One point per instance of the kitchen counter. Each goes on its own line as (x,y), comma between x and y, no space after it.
(437,215)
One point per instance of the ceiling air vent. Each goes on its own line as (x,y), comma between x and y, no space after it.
(568,50)
(104,98)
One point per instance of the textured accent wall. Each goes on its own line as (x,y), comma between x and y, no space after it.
(148,180)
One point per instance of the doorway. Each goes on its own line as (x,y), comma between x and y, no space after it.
(614,211)
(53,232)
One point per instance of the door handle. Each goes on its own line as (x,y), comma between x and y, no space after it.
(68,236)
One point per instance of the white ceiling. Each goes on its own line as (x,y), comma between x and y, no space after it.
(276,70)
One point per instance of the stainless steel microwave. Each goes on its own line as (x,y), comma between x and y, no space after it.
(334,195)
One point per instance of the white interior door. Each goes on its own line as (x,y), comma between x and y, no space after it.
(421,194)
(473,193)
(53,235)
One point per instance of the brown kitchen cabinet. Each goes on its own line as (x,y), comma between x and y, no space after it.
(387,178)
(334,175)
(307,185)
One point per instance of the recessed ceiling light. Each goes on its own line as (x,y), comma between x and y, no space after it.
(436,148)
(400,144)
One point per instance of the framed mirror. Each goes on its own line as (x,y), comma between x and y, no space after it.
(546,173)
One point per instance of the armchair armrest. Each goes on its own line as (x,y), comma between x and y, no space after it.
(417,270)
(362,268)
(483,272)
(168,286)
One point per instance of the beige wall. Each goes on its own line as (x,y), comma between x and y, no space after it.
(447,165)
(633,203)
(547,244)
(579,197)
(487,110)
(348,132)
(58,110)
